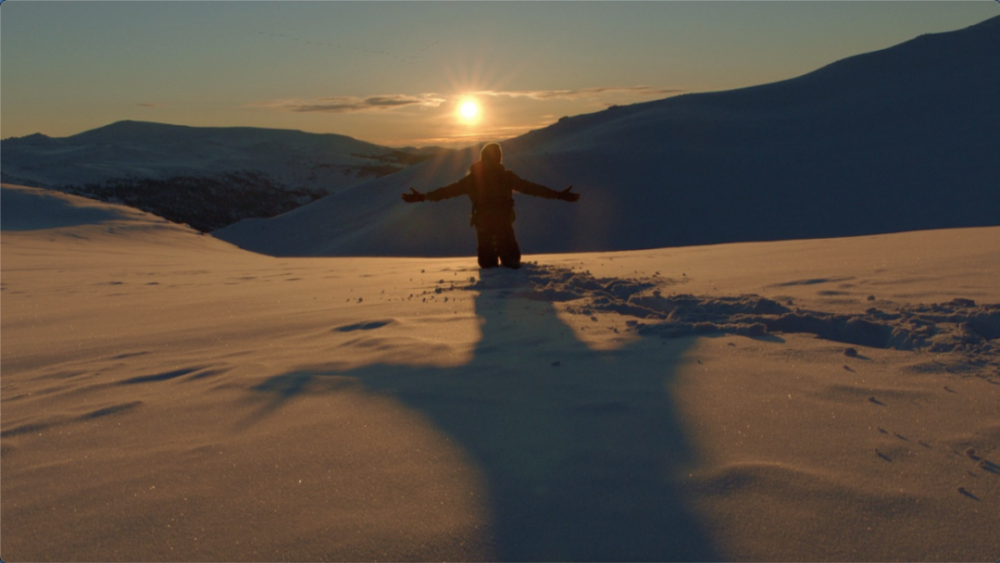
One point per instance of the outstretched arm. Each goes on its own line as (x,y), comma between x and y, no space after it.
(568,195)
(414,196)
(460,187)
(538,190)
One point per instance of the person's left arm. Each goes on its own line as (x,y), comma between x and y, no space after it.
(530,188)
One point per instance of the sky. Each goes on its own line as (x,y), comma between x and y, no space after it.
(397,73)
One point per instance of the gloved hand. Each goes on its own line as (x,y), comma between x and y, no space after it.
(567,195)
(414,196)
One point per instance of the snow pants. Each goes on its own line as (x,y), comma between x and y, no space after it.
(497,243)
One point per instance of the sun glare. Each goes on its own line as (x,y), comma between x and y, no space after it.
(469,111)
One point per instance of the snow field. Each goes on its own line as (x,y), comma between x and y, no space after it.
(167,396)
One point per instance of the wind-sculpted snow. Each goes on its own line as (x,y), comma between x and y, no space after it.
(961,325)
(664,404)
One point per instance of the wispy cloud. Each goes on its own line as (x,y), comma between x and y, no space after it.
(387,102)
(581,93)
(353,104)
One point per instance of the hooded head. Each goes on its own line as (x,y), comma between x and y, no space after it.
(491,153)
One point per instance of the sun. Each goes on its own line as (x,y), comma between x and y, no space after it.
(468,111)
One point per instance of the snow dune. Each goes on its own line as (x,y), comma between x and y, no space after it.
(896,140)
(168,396)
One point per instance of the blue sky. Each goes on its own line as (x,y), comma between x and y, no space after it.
(394,72)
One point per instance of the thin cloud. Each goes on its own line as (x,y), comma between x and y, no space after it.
(581,93)
(386,102)
(353,104)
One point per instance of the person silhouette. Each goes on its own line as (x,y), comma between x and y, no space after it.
(491,188)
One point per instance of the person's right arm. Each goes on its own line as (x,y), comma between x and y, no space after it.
(460,187)
(456,189)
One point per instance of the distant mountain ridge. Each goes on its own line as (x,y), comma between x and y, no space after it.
(894,140)
(208,177)
(296,159)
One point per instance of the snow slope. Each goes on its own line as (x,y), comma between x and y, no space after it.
(167,396)
(895,140)
(293,159)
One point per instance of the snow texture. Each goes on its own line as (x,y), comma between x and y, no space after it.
(959,325)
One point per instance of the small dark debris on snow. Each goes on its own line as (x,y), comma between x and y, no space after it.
(876,401)
(965,492)
(851,352)
(871,298)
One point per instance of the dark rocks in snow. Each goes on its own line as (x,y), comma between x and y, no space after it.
(203,202)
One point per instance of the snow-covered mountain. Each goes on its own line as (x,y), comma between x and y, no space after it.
(291,159)
(895,140)
(208,177)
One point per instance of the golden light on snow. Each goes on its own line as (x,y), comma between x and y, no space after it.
(468,111)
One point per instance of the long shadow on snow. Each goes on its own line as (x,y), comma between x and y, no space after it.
(580,456)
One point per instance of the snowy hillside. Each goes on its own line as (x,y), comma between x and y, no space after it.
(208,177)
(291,159)
(895,140)
(167,396)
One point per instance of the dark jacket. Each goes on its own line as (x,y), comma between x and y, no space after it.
(491,188)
